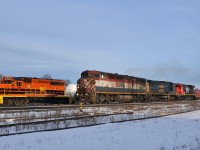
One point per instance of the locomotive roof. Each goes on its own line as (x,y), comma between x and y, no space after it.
(22,78)
(127,76)
(116,74)
(159,81)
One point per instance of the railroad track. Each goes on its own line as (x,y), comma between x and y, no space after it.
(57,111)
(37,120)
(56,121)
(29,107)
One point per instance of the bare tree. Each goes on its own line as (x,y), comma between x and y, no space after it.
(1,76)
(67,82)
(47,76)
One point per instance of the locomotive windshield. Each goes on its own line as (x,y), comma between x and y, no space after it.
(90,75)
(7,80)
(93,75)
(84,75)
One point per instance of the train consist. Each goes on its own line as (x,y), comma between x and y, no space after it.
(22,90)
(93,87)
(102,87)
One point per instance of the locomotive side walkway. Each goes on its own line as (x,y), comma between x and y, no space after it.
(57,118)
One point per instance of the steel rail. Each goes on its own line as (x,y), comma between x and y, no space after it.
(89,105)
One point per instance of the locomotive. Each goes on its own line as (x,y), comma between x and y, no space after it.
(103,87)
(197,93)
(22,90)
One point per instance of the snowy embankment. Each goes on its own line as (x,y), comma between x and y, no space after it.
(91,116)
(177,132)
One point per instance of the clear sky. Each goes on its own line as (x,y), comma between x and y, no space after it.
(154,39)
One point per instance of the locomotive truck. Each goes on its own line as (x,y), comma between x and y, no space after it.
(103,87)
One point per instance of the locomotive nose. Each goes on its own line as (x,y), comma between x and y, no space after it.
(85,89)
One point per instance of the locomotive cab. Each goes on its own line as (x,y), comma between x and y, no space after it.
(90,74)
(7,80)
(84,75)
(86,87)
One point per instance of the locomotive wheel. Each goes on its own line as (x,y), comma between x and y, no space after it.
(15,101)
(140,98)
(117,98)
(101,99)
(134,99)
(108,99)
(172,98)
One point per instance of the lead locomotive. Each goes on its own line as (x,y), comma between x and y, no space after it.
(102,87)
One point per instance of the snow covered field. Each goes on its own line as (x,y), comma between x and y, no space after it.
(177,132)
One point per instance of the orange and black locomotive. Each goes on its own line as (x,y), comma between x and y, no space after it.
(21,90)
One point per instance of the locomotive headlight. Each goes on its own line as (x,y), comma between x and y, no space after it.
(85,87)
(86,94)
(77,94)
(78,87)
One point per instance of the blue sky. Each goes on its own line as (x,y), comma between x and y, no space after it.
(153,39)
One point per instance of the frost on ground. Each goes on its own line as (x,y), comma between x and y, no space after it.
(177,132)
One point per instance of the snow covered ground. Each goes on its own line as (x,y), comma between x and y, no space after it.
(177,132)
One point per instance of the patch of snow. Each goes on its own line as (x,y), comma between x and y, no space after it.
(9,120)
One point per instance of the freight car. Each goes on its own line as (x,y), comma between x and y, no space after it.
(22,90)
(102,87)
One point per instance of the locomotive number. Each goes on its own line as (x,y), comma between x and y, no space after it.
(42,89)
(119,84)
(161,89)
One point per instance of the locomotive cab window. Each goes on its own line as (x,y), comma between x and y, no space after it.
(111,76)
(84,75)
(96,76)
(57,83)
(19,84)
(103,76)
(7,82)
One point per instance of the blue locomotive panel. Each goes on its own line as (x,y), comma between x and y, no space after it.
(161,87)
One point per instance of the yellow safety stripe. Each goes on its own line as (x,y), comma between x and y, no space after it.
(1,100)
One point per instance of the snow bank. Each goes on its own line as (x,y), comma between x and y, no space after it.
(178,132)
